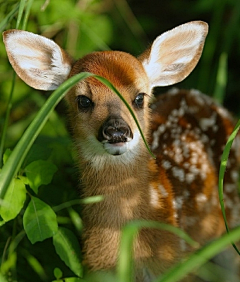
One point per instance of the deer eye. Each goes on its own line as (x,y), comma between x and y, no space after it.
(84,103)
(139,100)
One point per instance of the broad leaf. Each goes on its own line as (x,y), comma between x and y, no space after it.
(40,173)
(67,247)
(13,201)
(39,221)
(37,152)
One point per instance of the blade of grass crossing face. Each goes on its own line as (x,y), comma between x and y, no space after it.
(109,85)
(223,165)
(15,160)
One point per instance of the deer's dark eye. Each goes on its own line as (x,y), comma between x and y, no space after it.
(84,103)
(139,100)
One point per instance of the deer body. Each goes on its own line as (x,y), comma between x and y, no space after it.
(186,130)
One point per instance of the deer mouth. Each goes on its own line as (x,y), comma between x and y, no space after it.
(116,148)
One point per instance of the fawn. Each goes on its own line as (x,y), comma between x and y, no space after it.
(186,129)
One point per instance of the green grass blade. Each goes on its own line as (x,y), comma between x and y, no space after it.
(27,13)
(15,160)
(129,233)
(20,13)
(9,17)
(20,9)
(221,83)
(85,201)
(5,125)
(223,165)
(197,259)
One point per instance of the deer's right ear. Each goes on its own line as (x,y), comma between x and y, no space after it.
(38,61)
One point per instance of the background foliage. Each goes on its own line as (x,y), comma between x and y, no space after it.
(82,26)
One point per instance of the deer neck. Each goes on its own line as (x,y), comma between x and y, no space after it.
(124,187)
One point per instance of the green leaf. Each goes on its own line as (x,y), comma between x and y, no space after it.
(13,201)
(37,152)
(40,173)
(6,155)
(67,247)
(76,220)
(39,221)
(58,273)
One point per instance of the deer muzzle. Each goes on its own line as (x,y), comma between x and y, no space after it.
(115,133)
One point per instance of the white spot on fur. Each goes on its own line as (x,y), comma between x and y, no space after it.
(201,198)
(234,175)
(154,198)
(178,173)
(190,177)
(166,164)
(156,135)
(179,202)
(205,123)
(174,205)
(163,191)
(223,112)
(183,245)
(229,188)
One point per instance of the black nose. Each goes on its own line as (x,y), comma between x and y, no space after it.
(115,130)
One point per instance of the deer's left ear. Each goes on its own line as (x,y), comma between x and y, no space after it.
(37,60)
(175,53)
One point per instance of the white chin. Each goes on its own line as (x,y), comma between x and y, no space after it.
(116,148)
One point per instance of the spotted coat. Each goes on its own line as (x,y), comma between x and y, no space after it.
(189,132)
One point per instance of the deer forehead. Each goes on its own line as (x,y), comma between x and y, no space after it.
(123,70)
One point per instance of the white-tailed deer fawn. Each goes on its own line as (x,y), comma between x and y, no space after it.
(187,132)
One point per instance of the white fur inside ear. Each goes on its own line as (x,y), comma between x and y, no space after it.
(175,53)
(39,61)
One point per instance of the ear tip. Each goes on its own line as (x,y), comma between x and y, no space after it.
(202,24)
(7,33)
